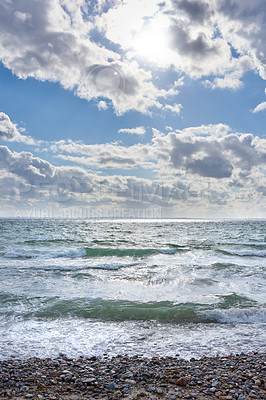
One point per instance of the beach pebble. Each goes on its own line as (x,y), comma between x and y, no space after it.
(182,381)
(131,377)
(68,378)
(111,386)
(24,389)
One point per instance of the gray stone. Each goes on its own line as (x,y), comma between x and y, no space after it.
(112,386)
(68,378)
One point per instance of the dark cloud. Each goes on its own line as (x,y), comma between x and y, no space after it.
(25,165)
(200,156)
(213,167)
(244,150)
(243,10)
(182,42)
(197,10)
(214,157)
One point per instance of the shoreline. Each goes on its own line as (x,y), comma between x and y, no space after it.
(240,376)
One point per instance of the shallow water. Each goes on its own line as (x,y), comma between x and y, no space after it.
(169,287)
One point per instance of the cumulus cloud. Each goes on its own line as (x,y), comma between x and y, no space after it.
(38,180)
(198,11)
(52,41)
(221,39)
(105,156)
(139,130)
(34,181)
(10,132)
(188,168)
(207,151)
(214,157)
(219,36)
(25,165)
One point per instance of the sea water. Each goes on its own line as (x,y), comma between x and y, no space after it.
(152,287)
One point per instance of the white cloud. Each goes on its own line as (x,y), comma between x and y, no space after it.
(102,105)
(194,170)
(175,108)
(139,130)
(260,107)
(107,155)
(216,130)
(207,151)
(215,38)
(10,132)
(169,128)
(51,41)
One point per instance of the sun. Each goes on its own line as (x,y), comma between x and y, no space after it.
(152,42)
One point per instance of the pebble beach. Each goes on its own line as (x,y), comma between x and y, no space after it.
(237,376)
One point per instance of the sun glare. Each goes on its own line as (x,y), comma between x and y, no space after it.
(152,43)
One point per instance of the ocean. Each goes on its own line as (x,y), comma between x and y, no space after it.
(184,288)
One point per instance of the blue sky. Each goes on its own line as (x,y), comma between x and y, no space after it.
(133,108)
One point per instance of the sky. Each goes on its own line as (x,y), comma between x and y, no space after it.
(133,108)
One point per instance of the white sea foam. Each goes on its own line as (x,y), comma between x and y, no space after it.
(238,315)
(49,338)
(245,252)
(18,254)
(47,253)
(167,251)
(70,253)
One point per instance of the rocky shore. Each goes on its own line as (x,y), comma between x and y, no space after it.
(239,377)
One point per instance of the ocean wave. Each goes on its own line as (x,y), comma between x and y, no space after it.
(254,244)
(67,253)
(178,246)
(70,253)
(244,244)
(125,252)
(48,241)
(231,308)
(19,254)
(221,266)
(89,252)
(10,298)
(236,315)
(243,253)
(118,310)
